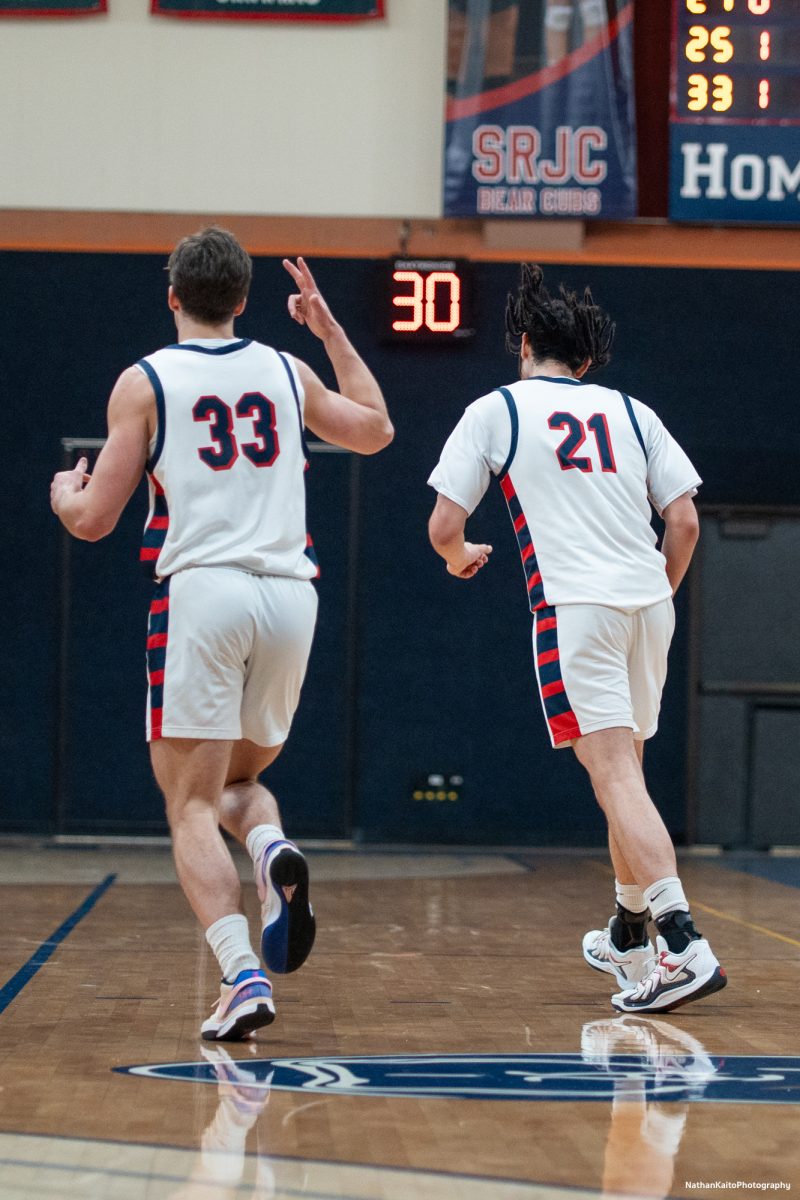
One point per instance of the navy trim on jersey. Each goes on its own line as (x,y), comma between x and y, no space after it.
(557,379)
(240,345)
(635,424)
(296,395)
(161,411)
(514,415)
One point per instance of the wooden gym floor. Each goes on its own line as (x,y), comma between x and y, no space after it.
(474,955)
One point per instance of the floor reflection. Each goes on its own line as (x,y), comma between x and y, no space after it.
(243,1094)
(657,1070)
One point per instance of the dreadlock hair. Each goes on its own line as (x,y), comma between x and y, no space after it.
(563,327)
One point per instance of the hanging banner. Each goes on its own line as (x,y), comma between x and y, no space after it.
(540,111)
(272,10)
(52,8)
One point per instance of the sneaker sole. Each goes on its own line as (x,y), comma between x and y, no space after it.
(715,983)
(243,1024)
(286,943)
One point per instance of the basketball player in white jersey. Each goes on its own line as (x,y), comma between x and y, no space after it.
(217,424)
(579,466)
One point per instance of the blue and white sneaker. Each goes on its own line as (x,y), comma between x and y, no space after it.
(244,1006)
(287,918)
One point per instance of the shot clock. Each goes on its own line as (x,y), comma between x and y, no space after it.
(424,300)
(735,111)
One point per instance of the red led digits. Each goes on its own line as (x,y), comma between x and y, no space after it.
(414,301)
(423,300)
(454,283)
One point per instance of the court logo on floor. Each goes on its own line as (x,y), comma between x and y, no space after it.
(673,1075)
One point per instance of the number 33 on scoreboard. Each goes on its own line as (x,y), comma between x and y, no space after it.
(721,93)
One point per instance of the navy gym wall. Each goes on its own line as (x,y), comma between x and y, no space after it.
(430,675)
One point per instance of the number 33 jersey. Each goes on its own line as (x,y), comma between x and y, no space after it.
(226,466)
(579,466)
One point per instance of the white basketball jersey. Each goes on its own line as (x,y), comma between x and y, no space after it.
(227,462)
(579,466)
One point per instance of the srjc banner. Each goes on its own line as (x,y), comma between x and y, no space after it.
(272,10)
(540,109)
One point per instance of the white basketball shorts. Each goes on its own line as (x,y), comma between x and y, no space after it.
(227,654)
(601,668)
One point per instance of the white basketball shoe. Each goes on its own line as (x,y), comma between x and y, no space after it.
(674,979)
(243,1007)
(627,966)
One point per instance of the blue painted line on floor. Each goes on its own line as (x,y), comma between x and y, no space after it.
(9,991)
(778,870)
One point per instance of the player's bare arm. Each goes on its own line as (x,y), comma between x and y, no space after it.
(90,507)
(446,531)
(356,416)
(680,538)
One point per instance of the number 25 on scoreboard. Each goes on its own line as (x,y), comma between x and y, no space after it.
(719,38)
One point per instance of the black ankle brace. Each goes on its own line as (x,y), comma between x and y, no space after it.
(677,929)
(629,929)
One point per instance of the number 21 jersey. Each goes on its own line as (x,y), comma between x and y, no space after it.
(579,466)
(226,467)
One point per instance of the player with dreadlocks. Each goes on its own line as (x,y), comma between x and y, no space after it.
(579,466)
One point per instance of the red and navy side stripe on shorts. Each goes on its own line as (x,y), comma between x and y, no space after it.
(155,533)
(157,632)
(557,708)
(311,555)
(530,565)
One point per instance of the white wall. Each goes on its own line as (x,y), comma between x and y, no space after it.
(133,112)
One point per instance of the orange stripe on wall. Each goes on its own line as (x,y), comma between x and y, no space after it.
(642,244)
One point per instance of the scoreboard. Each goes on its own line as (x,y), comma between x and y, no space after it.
(735,111)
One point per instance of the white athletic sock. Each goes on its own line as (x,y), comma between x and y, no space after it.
(665,895)
(229,938)
(630,896)
(261,836)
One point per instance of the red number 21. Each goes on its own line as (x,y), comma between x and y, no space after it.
(576,436)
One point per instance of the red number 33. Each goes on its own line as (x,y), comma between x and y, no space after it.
(224,453)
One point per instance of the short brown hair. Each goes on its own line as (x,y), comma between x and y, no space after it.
(210,274)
